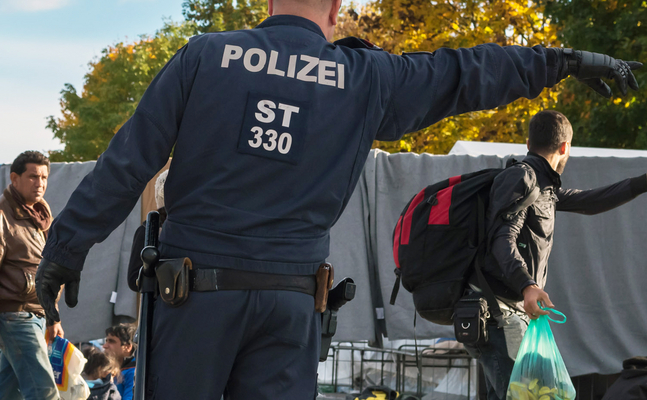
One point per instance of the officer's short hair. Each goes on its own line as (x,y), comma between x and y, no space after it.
(125,333)
(19,165)
(548,130)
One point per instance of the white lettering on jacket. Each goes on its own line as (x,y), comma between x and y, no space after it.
(301,67)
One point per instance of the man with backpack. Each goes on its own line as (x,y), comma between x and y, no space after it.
(519,241)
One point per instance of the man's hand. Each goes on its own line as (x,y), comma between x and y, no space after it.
(53,331)
(589,68)
(531,295)
(49,278)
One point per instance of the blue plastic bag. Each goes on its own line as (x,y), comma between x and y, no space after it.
(539,372)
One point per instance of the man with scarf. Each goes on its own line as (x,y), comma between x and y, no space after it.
(25,218)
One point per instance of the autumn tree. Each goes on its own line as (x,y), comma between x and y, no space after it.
(617,28)
(421,25)
(225,15)
(112,89)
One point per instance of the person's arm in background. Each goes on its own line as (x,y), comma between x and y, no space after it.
(3,244)
(595,201)
(135,262)
(128,384)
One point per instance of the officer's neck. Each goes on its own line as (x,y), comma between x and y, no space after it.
(305,9)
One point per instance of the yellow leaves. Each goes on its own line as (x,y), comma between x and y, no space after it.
(617,100)
(628,103)
(421,25)
(404,146)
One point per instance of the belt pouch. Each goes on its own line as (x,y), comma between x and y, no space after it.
(325,276)
(173,280)
(470,318)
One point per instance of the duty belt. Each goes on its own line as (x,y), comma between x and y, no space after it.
(214,279)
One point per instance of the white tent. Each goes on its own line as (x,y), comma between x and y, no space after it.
(597,266)
(504,149)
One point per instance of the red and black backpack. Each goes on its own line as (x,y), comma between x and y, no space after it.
(439,242)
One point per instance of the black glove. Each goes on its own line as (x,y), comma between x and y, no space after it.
(589,68)
(49,278)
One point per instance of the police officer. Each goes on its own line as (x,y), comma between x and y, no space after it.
(270,129)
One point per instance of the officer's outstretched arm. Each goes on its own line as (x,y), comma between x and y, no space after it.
(590,68)
(423,88)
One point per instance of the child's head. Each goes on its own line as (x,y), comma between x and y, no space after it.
(99,364)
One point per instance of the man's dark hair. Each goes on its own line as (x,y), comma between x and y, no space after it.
(19,165)
(548,130)
(125,333)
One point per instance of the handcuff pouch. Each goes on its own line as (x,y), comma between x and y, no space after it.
(173,280)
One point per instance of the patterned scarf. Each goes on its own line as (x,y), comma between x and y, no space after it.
(39,213)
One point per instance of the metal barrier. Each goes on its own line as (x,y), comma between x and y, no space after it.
(364,366)
(391,367)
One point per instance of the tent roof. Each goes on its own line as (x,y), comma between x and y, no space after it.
(505,149)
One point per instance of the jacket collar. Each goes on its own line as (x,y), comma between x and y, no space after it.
(291,20)
(18,212)
(546,175)
(129,362)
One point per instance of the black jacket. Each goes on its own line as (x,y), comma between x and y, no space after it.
(632,384)
(519,244)
(104,391)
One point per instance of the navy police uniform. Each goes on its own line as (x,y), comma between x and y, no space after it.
(270,129)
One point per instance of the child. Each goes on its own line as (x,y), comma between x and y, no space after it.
(98,373)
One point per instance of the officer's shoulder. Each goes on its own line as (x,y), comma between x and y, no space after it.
(353,42)
(201,39)
(196,44)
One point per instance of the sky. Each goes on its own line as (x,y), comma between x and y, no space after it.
(45,44)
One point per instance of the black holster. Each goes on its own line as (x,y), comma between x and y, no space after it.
(338,296)
(173,280)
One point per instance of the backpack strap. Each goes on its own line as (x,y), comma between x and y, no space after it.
(493,304)
(531,197)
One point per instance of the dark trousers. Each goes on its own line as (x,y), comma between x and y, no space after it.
(497,356)
(261,345)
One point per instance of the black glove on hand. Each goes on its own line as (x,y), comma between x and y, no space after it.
(589,68)
(49,278)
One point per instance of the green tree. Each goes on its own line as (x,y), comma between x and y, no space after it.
(422,25)
(111,91)
(617,28)
(225,15)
